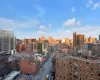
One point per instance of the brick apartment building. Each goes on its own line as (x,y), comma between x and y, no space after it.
(30,47)
(76,68)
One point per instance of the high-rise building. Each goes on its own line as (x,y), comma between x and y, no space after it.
(45,46)
(99,37)
(74,39)
(78,41)
(50,40)
(76,68)
(7,43)
(41,39)
(30,47)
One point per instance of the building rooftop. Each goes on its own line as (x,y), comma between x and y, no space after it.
(80,58)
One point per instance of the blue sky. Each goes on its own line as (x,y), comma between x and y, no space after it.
(56,18)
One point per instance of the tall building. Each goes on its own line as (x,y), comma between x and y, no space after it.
(74,39)
(45,46)
(78,41)
(99,37)
(41,39)
(30,47)
(50,40)
(7,43)
(67,41)
(76,68)
(39,47)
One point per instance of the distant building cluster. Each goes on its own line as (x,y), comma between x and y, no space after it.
(74,59)
(33,45)
(83,63)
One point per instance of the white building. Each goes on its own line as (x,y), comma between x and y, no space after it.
(7,41)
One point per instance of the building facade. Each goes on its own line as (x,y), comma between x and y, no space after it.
(29,40)
(75,68)
(30,47)
(78,42)
(41,39)
(50,40)
(90,40)
(45,46)
(4,66)
(68,41)
(7,41)
(7,44)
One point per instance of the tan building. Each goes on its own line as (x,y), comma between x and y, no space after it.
(78,41)
(76,68)
(41,39)
(90,40)
(45,46)
(29,40)
(30,47)
(68,41)
(50,40)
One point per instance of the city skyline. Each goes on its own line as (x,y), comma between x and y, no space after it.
(59,19)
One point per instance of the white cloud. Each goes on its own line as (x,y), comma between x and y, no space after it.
(29,34)
(92,5)
(78,23)
(9,23)
(88,30)
(42,27)
(41,33)
(49,25)
(90,1)
(93,31)
(73,9)
(96,5)
(89,4)
(67,31)
(71,22)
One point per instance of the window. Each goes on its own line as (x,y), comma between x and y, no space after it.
(91,69)
(91,73)
(87,63)
(99,74)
